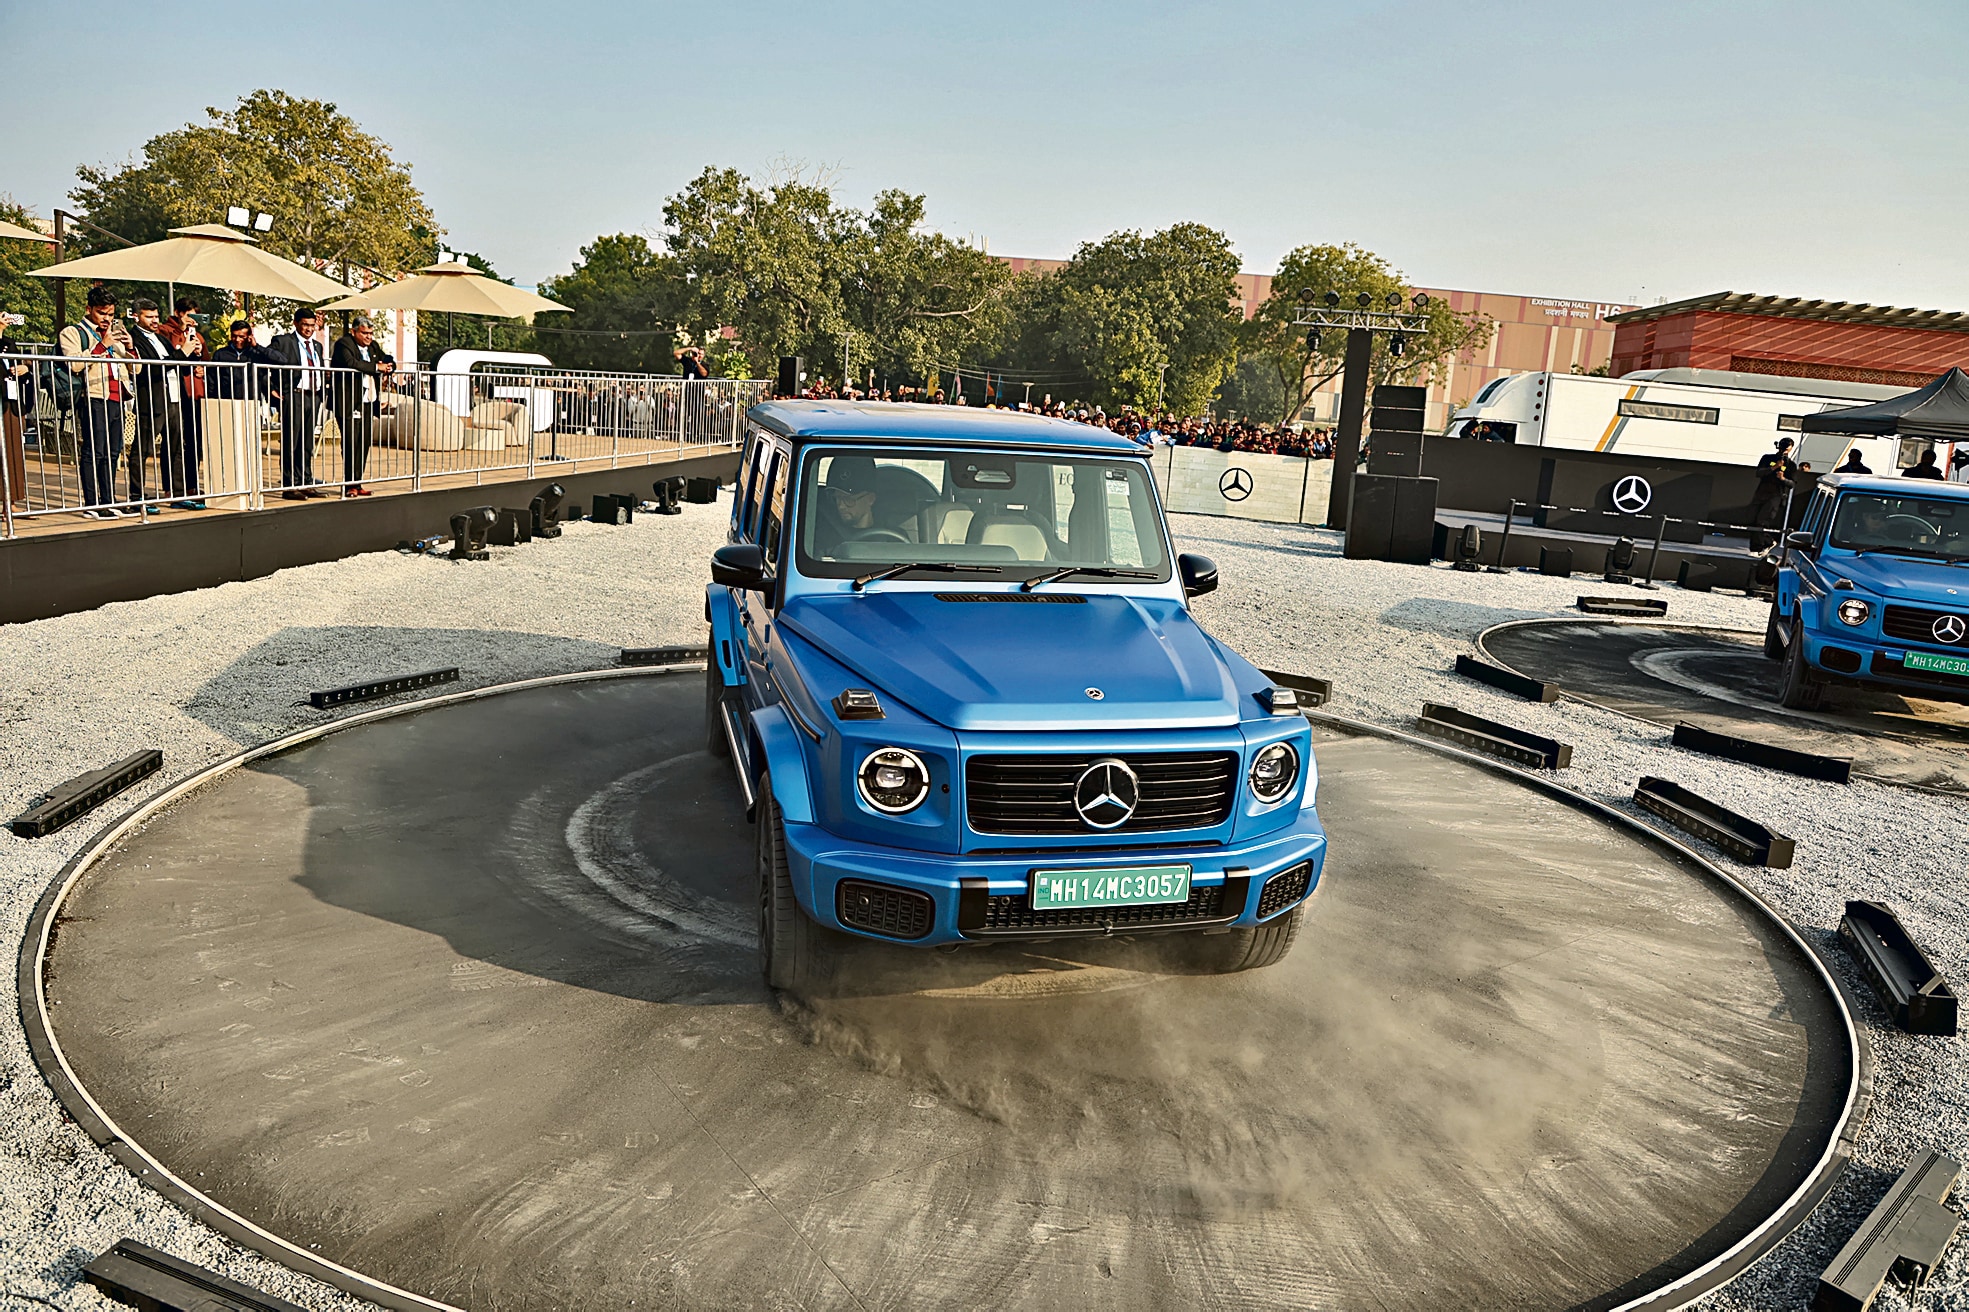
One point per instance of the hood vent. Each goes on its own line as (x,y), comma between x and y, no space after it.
(1039,598)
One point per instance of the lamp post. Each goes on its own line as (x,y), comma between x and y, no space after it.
(1361,323)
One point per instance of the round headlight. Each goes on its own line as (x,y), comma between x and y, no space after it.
(1273,772)
(892,780)
(1853,611)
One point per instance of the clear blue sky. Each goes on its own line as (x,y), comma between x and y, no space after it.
(1594,150)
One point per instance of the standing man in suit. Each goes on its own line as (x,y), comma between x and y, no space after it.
(161,392)
(299,391)
(362,370)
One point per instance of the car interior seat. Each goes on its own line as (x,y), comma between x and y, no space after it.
(945,521)
(1004,528)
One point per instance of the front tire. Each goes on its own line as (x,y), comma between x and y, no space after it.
(793,950)
(1802,689)
(1249,949)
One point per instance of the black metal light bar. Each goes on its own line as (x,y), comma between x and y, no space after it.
(1508,680)
(1904,1237)
(70,801)
(141,1276)
(1900,972)
(1739,835)
(662,655)
(1647,607)
(1382,321)
(1313,691)
(365,692)
(1518,746)
(1834,769)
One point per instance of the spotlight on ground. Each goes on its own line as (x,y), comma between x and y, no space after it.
(1468,544)
(468,532)
(1764,576)
(1620,562)
(546,510)
(668,492)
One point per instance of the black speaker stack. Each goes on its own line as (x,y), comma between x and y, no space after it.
(1394,438)
(790,369)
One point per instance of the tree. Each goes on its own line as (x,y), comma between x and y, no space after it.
(1131,307)
(914,299)
(1300,360)
(626,305)
(337,195)
(20,293)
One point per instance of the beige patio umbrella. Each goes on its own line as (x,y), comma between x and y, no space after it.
(207,255)
(19,233)
(450,289)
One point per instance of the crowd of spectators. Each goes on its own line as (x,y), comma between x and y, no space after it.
(1149,429)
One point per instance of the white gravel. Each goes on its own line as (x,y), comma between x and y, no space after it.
(201,675)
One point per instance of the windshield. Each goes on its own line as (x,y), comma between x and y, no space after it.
(864,508)
(1916,525)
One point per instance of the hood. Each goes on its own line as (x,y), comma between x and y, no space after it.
(1006,665)
(1904,578)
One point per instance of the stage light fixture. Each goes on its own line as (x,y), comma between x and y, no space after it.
(1305,296)
(1396,346)
(668,492)
(468,532)
(1333,300)
(1364,300)
(1394,300)
(238,217)
(1620,562)
(1421,301)
(263,222)
(546,510)
(1312,339)
(1468,544)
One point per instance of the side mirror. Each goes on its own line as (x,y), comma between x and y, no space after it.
(1798,541)
(741,565)
(1199,574)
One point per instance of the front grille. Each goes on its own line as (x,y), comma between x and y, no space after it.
(1011,912)
(1034,794)
(880,909)
(1284,888)
(1913,624)
(1885,664)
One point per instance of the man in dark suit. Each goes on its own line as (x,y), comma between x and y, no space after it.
(362,370)
(161,391)
(299,391)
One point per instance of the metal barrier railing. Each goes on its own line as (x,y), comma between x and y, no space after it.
(109,435)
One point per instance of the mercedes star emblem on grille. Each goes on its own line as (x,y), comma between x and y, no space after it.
(1106,794)
(1235,485)
(1949,629)
(1632,494)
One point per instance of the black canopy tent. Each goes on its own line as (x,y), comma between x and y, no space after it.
(1938,412)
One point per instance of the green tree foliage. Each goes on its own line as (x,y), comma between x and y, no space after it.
(793,273)
(337,195)
(1298,362)
(626,300)
(1125,307)
(31,298)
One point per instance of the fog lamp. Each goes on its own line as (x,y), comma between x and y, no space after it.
(893,780)
(1273,772)
(1853,612)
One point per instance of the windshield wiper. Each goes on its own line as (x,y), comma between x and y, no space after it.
(935,567)
(1903,551)
(1098,571)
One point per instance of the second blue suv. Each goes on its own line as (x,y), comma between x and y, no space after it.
(1874,590)
(954,665)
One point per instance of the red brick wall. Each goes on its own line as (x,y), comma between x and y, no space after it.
(1809,348)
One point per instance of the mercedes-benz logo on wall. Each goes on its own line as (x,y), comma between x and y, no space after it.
(1235,485)
(1106,794)
(1632,494)
(1949,629)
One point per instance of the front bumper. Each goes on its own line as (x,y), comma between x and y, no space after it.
(982,898)
(1859,658)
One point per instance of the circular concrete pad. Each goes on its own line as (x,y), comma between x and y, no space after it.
(1720,679)
(465,1000)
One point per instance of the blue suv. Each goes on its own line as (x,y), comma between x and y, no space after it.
(953,661)
(1874,590)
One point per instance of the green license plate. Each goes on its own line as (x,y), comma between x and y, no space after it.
(1130,886)
(1921,660)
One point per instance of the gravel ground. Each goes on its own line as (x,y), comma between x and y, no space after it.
(202,674)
